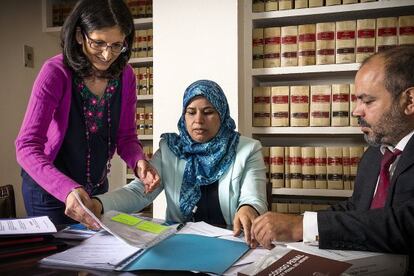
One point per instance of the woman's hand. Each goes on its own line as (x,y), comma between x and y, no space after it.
(148,175)
(243,221)
(76,211)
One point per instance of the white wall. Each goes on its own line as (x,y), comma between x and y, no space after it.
(20,23)
(193,39)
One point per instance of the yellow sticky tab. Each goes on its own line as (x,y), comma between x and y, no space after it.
(126,219)
(151,227)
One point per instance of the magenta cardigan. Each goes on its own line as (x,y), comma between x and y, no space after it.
(46,120)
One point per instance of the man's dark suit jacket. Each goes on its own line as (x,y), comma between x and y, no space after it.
(351,225)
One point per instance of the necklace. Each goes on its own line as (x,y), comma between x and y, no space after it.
(93,110)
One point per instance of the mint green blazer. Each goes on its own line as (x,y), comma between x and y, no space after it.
(243,183)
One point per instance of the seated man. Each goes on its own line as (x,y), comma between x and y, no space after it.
(380,214)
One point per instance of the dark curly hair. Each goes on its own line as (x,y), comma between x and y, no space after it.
(91,15)
(398,68)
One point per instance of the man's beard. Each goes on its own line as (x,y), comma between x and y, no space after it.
(389,130)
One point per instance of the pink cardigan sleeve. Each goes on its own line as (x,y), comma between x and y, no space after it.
(128,145)
(43,129)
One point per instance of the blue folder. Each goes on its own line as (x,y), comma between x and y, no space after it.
(190,253)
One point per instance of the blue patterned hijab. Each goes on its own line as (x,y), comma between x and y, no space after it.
(206,162)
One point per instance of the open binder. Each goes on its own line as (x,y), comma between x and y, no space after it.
(135,231)
(185,252)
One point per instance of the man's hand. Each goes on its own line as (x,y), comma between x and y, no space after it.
(273,226)
(243,221)
(76,212)
(148,175)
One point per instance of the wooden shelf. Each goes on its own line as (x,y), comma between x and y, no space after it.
(143,23)
(308,130)
(310,72)
(312,192)
(333,13)
(145,97)
(144,137)
(141,61)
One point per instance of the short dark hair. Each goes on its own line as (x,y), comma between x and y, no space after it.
(399,68)
(91,15)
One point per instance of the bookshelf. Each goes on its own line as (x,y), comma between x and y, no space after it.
(305,75)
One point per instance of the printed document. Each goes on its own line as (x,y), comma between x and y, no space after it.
(35,225)
(102,251)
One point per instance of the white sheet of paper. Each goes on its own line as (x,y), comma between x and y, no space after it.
(204,229)
(35,225)
(102,251)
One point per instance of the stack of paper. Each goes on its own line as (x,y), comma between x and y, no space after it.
(28,236)
(105,252)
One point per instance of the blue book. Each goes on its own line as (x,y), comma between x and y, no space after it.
(190,253)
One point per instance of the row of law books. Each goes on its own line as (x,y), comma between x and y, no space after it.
(142,45)
(274,5)
(144,80)
(304,105)
(329,42)
(60,11)
(297,207)
(312,167)
(144,119)
(140,8)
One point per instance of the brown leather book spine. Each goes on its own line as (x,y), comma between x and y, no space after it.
(295,167)
(280,106)
(334,168)
(299,106)
(277,167)
(325,43)
(320,168)
(261,106)
(340,105)
(365,41)
(258,49)
(271,5)
(345,41)
(308,168)
(386,34)
(406,30)
(307,44)
(271,47)
(289,46)
(320,105)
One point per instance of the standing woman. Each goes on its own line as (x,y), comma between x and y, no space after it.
(81,109)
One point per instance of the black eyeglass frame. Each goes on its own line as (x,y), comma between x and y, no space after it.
(90,41)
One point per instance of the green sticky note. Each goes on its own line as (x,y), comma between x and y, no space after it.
(151,227)
(126,219)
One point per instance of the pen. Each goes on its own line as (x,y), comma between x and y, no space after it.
(180,226)
(193,213)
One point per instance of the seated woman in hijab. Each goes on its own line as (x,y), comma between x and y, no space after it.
(209,172)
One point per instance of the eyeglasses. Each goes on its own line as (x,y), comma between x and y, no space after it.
(102,45)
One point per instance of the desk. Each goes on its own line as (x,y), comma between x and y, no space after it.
(29,266)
